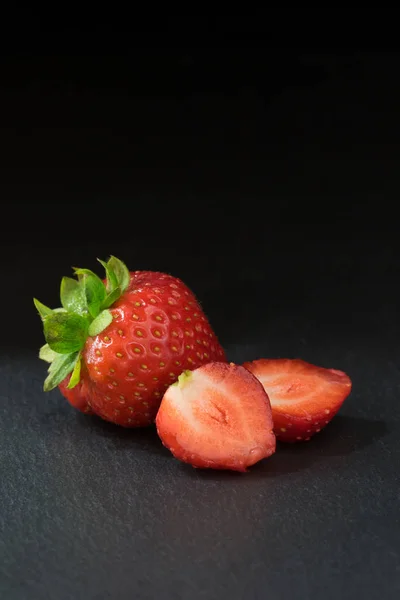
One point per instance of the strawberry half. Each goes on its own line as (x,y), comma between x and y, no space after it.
(115,346)
(217,416)
(304,398)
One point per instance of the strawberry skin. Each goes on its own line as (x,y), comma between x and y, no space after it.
(158,331)
(304,398)
(79,396)
(217,416)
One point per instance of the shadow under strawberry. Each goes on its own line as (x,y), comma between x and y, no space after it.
(344,436)
(146,437)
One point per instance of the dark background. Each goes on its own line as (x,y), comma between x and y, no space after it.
(266,175)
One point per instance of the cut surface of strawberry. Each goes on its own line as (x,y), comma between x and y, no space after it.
(217,416)
(304,397)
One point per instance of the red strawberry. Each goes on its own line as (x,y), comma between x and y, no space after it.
(77,396)
(304,398)
(116,346)
(217,417)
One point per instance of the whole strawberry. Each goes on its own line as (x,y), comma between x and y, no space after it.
(115,346)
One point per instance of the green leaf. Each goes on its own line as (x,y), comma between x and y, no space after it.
(80,272)
(100,322)
(47,354)
(112,281)
(112,297)
(95,293)
(72,295)
(121,272)
(94,290)
(43,310)
(65,332)
(76,373)
(59,369)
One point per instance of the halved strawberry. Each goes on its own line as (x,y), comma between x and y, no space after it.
(217,417)
(304,398)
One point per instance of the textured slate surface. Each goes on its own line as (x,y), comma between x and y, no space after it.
(89,511)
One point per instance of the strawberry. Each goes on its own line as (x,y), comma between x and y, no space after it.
(116,345)
(217,416)
(304,398)
(78,396)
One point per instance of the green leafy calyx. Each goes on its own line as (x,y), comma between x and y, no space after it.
(84,312)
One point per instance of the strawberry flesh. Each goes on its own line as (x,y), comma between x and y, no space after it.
(304,397)
(217,416)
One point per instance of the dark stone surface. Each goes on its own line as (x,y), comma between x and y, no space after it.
(274,205)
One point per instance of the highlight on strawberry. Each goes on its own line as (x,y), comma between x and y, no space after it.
(115,345)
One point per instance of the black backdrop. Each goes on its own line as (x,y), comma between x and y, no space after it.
(267,178)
